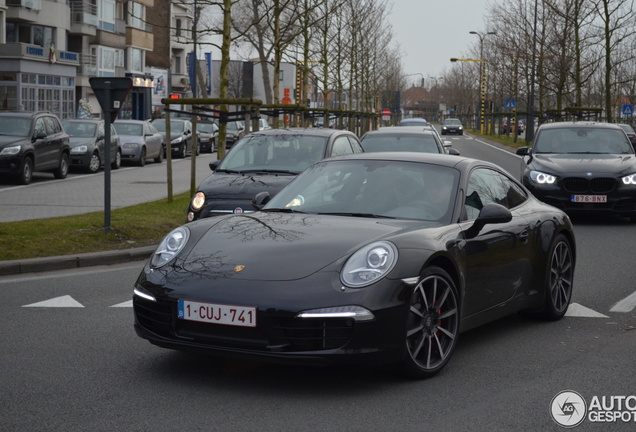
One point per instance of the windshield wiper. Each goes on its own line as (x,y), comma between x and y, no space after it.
(282,210)
(365,215)
(228,171)
(268,171)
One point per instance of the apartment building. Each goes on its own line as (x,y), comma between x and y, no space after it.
(50,49)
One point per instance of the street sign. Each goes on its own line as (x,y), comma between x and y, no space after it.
(511,103)
(111,93)
(628,109)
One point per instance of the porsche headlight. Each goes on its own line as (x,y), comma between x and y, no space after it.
(369,264)
(542,178)
(198,200)
(170,246)
(630,179)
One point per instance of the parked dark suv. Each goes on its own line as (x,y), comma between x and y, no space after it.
(32,141)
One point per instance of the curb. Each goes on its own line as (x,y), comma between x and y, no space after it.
(35,265)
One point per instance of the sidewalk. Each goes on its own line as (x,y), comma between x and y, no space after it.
(85,194)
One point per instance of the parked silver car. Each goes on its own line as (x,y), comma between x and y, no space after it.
(140,141)
(87,144)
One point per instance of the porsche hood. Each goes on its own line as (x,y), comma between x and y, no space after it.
(278,246)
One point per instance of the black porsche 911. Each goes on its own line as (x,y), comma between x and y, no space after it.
(582,167)
(265,161)
(372,258)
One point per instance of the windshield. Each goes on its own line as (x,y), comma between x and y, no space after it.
(206,127)
(15,126)
(575,140)
(175,126)
(133,129)
(234,126)
(285,152)
(372,188)
(425,143)
(80,129)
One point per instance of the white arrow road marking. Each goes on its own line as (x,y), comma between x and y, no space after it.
(626,305)
(576,310)
(124,304)
(63,301)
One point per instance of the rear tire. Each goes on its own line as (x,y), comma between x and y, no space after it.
(159,157)
(116,164)
(62,170)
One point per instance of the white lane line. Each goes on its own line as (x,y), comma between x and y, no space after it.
(626,305)
(63,301)
(576,310)
(124,304)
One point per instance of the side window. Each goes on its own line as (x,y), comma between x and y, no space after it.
(52,125)
(488,186)
(40,126)
(100,130)
(355,144)
(341,146)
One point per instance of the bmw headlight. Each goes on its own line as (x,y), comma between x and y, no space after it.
(79,149)
(369,264)
(630,179)
(13,150)
(197,201)
(170,246)
(177,140)
(542,178)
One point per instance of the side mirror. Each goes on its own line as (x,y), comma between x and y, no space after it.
(453,151)
(491,213)
(38,136)
(523,151)
(260,200)
(214,165)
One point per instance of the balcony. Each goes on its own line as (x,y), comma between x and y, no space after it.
(180,81)
(84,19)
(140,39)
(35,5)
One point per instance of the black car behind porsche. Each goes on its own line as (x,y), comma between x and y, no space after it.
(265,161)
(368,258)
(582,167)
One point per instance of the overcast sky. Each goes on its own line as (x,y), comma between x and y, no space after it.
(430,32)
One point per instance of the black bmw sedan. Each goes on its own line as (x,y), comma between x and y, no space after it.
(264,161)
(372,258)
(582,167)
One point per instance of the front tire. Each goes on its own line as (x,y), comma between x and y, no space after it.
(142,157)
(26,171)
(432,324)
(94,164)
(62,170)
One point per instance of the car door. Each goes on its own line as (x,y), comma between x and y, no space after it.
(153,140)
(497,257)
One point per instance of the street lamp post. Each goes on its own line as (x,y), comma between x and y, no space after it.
(482,70)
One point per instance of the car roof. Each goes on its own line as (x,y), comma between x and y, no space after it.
(459,162)
(303,131)
(576,124)
(403,130)
(25,114)
(131,121)
(82,120)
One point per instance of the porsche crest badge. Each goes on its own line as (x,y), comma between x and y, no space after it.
(238,268)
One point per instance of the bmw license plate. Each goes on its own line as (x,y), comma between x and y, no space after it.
(589,198)
(217,313)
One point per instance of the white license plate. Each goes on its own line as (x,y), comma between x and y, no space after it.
(589,198)
(217,313)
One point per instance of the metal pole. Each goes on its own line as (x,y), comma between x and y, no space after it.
(107,121)
(530,118)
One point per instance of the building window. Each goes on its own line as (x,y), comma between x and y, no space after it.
(135,60)
(177,65)
(29,34)
(178,28)
(107,15)
(108,60)
(136,15)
